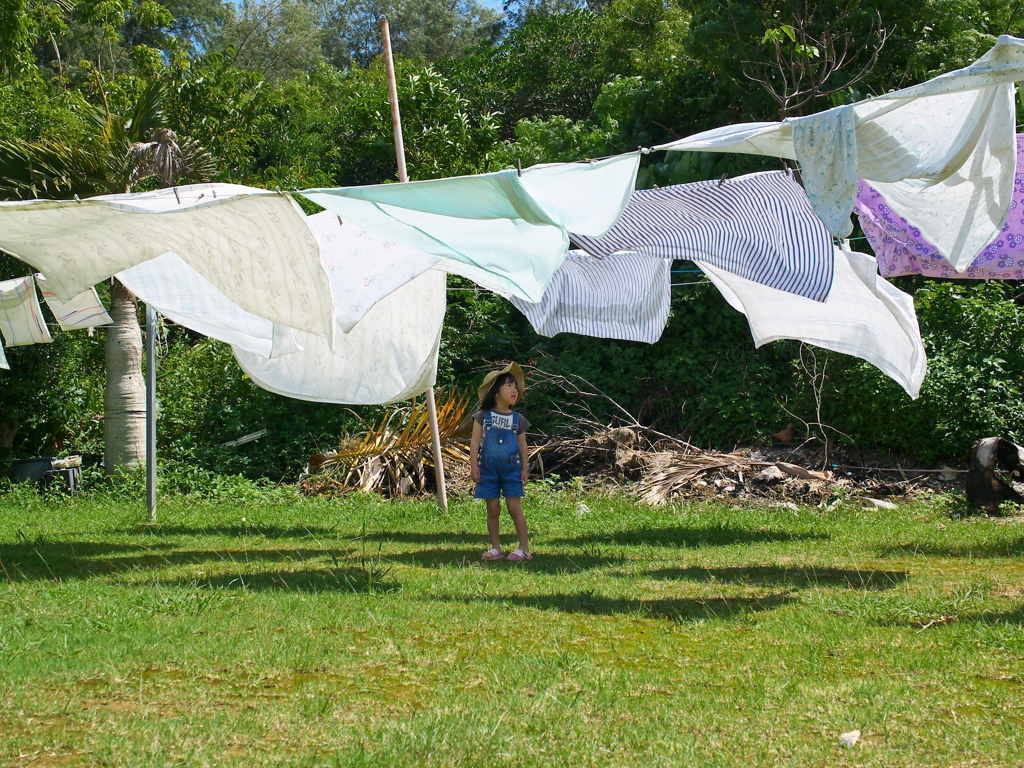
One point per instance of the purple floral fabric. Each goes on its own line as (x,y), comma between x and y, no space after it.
(901,250)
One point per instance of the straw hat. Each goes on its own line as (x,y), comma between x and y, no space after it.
(512,368)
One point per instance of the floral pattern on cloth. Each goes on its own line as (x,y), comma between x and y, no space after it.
(901,249)
(826,146)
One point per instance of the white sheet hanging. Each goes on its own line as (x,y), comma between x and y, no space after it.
(84,311)
(3,359)
(625,296)
(942,153)
(510,227)
(363,267)
(253,245)
(390,355)
(864,316)
(182,295)
(21,317)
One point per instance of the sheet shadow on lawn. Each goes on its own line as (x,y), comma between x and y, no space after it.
(413,537)
(318,580)
(67,560)
(692,536)
(673,609)
(807,576)
(1012,548)
(542,562)
(232,531)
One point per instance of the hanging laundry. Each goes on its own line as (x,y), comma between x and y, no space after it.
(182,295)
(864,316)
(3,359)
(625,296)
(509,226)
(901,249)
(21,317)
(758,226)
(390,355)
(941,153)
(363,267)
(84,311)
(253,245)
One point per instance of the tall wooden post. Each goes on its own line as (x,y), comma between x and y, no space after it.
(403,176)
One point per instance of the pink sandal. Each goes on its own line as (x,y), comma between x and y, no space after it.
(492,554)
(520,555)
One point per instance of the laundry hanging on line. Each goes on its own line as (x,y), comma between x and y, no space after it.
(84,311)
(759,226)
(902,250)
(625,296)
(506,228)
(390,355)
(21,317)
(253,245)
(864,316)
(941,153)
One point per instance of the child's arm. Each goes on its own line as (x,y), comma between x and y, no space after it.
(474,451)
(524,456)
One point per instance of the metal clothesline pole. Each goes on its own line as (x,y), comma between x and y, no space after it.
(150,414)
(403,176)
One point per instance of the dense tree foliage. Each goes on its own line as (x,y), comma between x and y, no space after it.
(291,94)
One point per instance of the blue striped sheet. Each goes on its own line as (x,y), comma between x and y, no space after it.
(625,296)
(760,227)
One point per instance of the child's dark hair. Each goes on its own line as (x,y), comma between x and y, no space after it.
(487,403)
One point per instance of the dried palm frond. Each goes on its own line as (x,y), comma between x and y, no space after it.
(392,455)
(669,472)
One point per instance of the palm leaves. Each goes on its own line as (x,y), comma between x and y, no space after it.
(124,152)
(392,455)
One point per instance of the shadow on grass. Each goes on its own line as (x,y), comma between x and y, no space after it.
(70,560)
(704,536)
(676,609)
(791,577)
(1014,548)
(342,580)
(541,563)
(233,531)
(411,537)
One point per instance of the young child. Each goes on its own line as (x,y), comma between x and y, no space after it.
(498,457)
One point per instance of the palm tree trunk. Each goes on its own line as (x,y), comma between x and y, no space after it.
(124,398)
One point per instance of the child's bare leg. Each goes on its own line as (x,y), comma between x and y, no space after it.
(493,519)
(515,510)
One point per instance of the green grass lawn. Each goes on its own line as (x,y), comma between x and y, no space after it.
(366,632)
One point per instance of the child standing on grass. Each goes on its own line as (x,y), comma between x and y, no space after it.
(498,457)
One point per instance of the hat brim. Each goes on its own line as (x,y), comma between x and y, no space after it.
(514,369)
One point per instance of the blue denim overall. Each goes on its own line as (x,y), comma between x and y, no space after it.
(501,467)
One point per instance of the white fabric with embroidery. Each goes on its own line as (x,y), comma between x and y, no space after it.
(253,245)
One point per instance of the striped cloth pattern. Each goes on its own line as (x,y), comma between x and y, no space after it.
(84,311)
(625,296)
(21,317)
(760,227)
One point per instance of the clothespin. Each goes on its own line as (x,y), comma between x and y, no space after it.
(76,199)
(519,167)
(176,195)
(341,223)
(721,181)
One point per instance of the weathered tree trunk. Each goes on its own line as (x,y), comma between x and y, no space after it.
(8,429)
(124,398)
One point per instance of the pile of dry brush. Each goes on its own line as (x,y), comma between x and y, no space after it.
(394,457)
